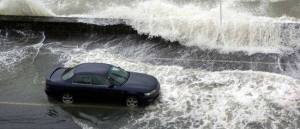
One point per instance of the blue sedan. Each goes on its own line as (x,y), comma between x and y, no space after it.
(101,81)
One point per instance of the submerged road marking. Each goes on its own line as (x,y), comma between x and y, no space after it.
(62,105)
(24,104)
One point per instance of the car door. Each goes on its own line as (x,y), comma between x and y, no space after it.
(82,86)
(105,89)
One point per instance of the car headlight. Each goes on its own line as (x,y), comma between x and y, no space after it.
(150,93)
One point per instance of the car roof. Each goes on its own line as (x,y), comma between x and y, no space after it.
(93,68)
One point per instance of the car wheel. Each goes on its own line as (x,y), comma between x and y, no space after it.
(132,102)
(67,98)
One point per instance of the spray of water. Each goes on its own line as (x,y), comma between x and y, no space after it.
(24,8)
(192,98)
(14,54)
(191,24)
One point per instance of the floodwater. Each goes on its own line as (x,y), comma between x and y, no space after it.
(242,73)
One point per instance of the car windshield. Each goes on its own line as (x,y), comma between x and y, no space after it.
(117,75)
(68,74)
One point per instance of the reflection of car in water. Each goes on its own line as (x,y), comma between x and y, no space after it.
(101,81)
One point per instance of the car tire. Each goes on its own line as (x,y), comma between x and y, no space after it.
(132,102)
(67,98)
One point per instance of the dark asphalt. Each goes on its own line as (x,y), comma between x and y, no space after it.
(18,116)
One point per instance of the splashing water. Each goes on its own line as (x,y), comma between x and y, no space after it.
(24,8)
(14,54)
(191,23)
(192,98)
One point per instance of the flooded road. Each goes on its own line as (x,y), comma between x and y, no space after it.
(223,68)
(197,91)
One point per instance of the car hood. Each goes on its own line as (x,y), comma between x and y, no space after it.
(141,82)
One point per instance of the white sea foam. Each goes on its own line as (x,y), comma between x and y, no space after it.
(8,58)
(195,26)
(192,98)
(24,7)
(13,55)
(190,24)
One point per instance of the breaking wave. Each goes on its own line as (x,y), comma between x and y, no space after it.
(191,23)
(24,8)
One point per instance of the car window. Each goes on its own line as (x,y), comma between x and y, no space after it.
(68,74)
(100,80)
(82,79)
(117,75)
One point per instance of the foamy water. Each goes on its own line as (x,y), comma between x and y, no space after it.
(190,98)
(24,7)
(191,23)
(193,98)
(14,56)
